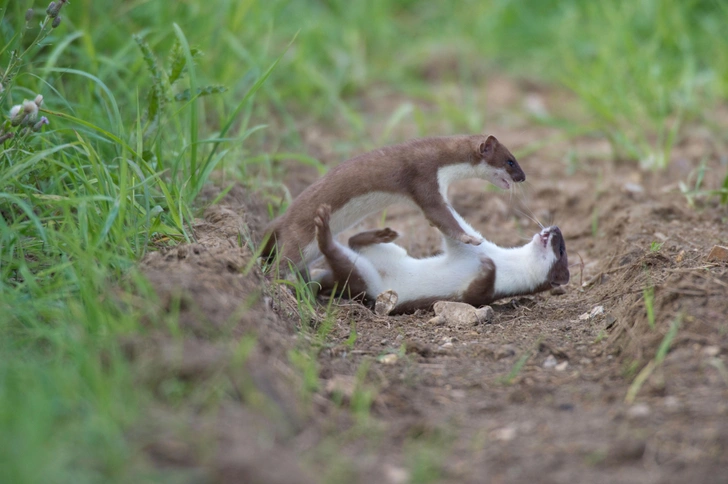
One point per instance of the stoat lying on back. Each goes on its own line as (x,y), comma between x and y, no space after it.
(476,275)
(416,172)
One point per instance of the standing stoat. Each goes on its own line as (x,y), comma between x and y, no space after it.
(417,172)
(476,275)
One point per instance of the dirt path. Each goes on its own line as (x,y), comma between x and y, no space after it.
(538,395)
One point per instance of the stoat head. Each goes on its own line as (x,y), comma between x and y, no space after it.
(549,243)
(496,163)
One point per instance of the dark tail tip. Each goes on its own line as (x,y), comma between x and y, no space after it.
(269,250)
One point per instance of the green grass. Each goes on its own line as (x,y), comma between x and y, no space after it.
(655,362)
(146,98)
(648,294)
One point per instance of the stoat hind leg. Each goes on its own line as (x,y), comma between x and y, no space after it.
(344,278)
(371,237)
(480,291)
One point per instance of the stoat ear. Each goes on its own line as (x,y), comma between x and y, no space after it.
(488,146)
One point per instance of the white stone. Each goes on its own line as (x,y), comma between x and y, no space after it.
(550,362)
(506,434)
(638,411)
(389,359)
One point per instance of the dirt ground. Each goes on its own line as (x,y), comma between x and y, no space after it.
(538,395)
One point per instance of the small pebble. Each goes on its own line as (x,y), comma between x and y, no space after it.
(389,359)
(634,188)
(396,475)
(506,434)
(505,351)
(711,350)
(550,362)
(671,403)
(596,311)
(385,302)
(561,366)
(638,411)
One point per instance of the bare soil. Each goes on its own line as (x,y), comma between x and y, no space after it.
(250,393)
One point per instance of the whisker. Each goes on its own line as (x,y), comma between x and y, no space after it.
(531,217)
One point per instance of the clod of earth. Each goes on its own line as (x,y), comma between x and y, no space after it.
(718,254)
(456,313)
(385,302)
(342,386)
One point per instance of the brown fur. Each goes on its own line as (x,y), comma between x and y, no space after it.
(409,169)
(480,290)
(344,279)
(371,237)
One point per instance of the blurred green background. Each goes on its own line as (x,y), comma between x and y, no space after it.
(118,169)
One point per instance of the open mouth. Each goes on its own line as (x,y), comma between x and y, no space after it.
(504,184)
(545,236)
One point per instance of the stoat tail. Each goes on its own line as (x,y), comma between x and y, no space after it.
(270,245)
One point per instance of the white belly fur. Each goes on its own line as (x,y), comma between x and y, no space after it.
(443,275)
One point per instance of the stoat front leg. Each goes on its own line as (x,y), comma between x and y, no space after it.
(438,212)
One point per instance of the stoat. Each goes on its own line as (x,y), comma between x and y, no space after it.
(418,172)
(476,275)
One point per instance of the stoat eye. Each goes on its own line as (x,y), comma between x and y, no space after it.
(511,163)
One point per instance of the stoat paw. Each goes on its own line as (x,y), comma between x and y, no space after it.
(323,215)
(386,235)
(469,239)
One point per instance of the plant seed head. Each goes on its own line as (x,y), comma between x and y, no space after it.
(43,121)
(30,109)
(56,22)
(38,100)
(53,9)
(29,15)
(6,137)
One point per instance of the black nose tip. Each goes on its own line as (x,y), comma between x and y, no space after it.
(519,176)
